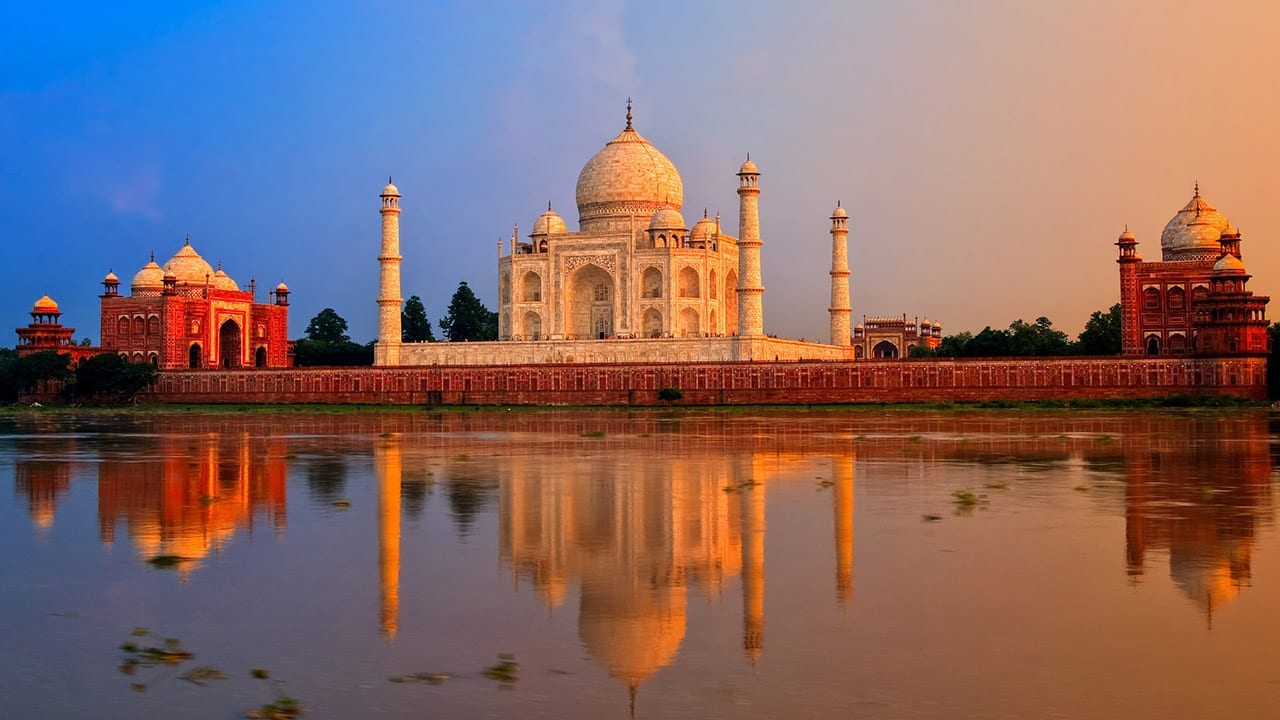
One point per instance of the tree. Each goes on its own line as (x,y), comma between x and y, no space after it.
(110,376)
(468,318)
(954,345)
(328,327)
(28,371)
(327,343)
(1101,335)
(414,325)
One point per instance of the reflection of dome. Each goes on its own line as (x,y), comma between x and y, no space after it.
(667,219)
(150,277)
(628,175)
(636,636)
(1193,233)
(189,266)
(1207,582)
(223,281)
(549,223)
(45,305)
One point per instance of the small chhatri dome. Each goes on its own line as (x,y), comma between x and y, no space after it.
(223,281)
(45,305)
(839,212)
(282,287)
(1229,264)
(748,167)
(549,223)
(1126,236)
(188,266)
(150,277)
(1193,232)
(627,176)
(1231,232)
(110,278)
(390,190)
(667,219)
(704,229)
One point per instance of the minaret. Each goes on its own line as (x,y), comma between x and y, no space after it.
(1130,297)
(387,349)
(750,289)
(388,471)
(841,333)
(842,502)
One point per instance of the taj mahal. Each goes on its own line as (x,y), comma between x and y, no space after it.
(635,283)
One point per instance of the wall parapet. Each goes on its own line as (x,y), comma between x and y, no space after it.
(728,383)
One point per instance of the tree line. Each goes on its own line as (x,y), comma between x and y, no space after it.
(1101,336)
(101,378)
(326,341)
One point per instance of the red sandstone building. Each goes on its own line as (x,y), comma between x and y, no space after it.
(1195,300)
(187,315)
(46,332)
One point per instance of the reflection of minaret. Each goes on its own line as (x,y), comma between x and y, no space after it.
(1138,468)
(842,502)
(753,569)
(386,461)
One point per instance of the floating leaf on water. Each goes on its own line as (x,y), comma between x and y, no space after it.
(342,503)
(199,675)
(929,517)
(259,673)
(138,687)
(166,561)
(505,669)
(1082,488)
(593,434)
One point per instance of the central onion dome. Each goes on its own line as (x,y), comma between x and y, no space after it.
(629,176)
(188,266)
(1193,233)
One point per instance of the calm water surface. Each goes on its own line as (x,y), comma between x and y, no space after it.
(667,565)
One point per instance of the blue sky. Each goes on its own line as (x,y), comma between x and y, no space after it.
(988,152)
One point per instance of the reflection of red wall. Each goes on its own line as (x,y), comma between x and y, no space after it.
(731,383)
(43,482)
(198,486)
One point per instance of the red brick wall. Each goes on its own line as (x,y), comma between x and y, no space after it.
(729,383)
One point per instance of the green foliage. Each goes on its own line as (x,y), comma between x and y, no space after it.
(328,344)
(414,325)
(922,351)
(1022,339)
(22,374)
(1101,335)
(328,327)
(109,376)
(670,394)
(467,318)
(1273,362)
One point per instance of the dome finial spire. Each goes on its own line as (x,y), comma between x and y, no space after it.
(548,206)
(1197,188)
(628,113)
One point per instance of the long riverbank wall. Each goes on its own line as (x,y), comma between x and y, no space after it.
(732,383)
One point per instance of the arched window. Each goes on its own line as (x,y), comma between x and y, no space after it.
(652,323)
(155,359)
(139,326)
(504,289)
(1153,345)
(194,359)
(1151,299)
(122,327)
(1177,299)
(1198,293)
(260,357)
(531,287)
(651,283)
(689,283)
(532,326)
(885,350)
(1177,344)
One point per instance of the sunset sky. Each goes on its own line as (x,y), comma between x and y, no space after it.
(988,152)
